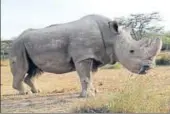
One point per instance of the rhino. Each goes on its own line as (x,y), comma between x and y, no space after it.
(83,45)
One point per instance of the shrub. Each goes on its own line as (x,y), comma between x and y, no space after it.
(93,105)
(115,66)
(166,43)
(163,59)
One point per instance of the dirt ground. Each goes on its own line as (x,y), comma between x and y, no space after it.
(60,92)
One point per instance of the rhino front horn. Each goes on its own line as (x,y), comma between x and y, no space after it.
(155,47)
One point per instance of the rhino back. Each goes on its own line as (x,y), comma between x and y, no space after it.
(53,48)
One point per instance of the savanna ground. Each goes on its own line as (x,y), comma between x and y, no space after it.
(118,91)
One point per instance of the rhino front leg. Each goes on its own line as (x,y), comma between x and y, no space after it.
(83,69)
(31,82)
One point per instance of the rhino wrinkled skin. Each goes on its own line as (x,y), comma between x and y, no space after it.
(83,46)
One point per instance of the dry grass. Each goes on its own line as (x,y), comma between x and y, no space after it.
(138,95)
(119,91)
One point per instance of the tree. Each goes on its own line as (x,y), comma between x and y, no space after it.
(142,24)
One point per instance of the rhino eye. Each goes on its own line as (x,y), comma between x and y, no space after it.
(132,51)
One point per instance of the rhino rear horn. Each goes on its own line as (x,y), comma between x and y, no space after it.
(114,25)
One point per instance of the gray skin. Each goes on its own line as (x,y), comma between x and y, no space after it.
(83,46)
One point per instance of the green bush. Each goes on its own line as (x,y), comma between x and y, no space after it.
(115,66)
(163,59)
(166,43)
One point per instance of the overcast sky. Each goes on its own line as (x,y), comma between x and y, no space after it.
(18,15)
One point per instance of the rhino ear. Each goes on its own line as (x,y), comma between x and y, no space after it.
(114,26)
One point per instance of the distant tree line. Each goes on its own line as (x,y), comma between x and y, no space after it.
(5,47)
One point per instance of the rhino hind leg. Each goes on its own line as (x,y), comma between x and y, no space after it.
(30,78)
(18,77)
(21,64)
(18,84)
(83,69)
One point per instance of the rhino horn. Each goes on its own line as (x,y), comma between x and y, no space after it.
(155,47)
(152,46)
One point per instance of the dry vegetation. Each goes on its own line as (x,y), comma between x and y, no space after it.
(119,91)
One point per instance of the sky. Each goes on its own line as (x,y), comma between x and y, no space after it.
(19,15)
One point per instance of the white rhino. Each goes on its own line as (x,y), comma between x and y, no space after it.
(83,46)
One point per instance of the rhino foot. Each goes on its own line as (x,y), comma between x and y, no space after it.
(36,90)
(28,92)
(89,93)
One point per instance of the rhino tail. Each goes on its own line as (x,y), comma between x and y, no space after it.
(33,70)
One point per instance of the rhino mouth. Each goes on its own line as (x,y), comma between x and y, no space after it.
(144,69)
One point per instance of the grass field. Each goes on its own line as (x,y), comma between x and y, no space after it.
(119,91)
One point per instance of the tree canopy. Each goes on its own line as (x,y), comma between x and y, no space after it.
(142,24)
